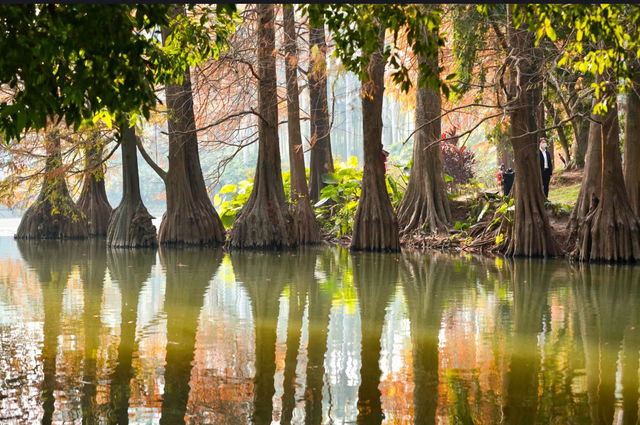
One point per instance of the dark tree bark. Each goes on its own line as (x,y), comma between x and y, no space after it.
(93,200)
(610,231)
(130,224)
(52,262)
(530,234)
(130,269)
(186,287)
(504,152)
(92,276)
(265,221)
(304,220)
(250,269)
(424,288)
(190,218)
(375,226)
(53,215)
(425,203)
(321,156)
(374,278)
(632,147)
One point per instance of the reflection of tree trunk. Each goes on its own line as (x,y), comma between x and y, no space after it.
(265,221)
(52,262)
(53,215)
(130,269)
(530,235)
(130,224)
(319,311)
(190,217)
(321,160)
(251,268)
(425,202)
(93,200)
(374,277)
(189,272)
(303,270)
(307,229)
(92,276)
(375,225)
(424,287)
(603,304)
(530,286)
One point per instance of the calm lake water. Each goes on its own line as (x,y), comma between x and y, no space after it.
(90,335)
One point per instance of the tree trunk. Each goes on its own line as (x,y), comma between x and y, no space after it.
(186,287)
(321,160)
(265,221)
(530,234)
(306,227)
(581,129)
(190,218)
(375,226)
(610,231)
(130,224)
(632,148)
(93,200)
(564,143)
(53,215)
(591,180)
(425,202)
(504,152)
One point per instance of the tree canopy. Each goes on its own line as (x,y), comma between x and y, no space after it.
(84,62)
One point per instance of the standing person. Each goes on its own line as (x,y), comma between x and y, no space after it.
(385,155)
(546,166)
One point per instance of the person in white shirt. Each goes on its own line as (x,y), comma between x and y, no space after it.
(546,166)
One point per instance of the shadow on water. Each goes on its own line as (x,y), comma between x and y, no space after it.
(53,272)
(189,272)
(130,269)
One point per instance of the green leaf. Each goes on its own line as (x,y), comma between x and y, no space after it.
(329,178)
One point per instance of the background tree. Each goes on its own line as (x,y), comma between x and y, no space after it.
(53,215)
(321,161)
(425,202)
(93,200)
(306,227)
(130,224)
(265,221)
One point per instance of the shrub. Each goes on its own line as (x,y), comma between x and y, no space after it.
(458,164)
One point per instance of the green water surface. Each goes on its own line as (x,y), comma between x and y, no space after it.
(317,336)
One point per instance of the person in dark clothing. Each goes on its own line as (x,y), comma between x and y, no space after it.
(546,166)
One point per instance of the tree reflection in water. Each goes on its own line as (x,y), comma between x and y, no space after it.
(264,283)
(92,272)
(53,273)
(375,277)
(476,341)
(130,269)
(189,272)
